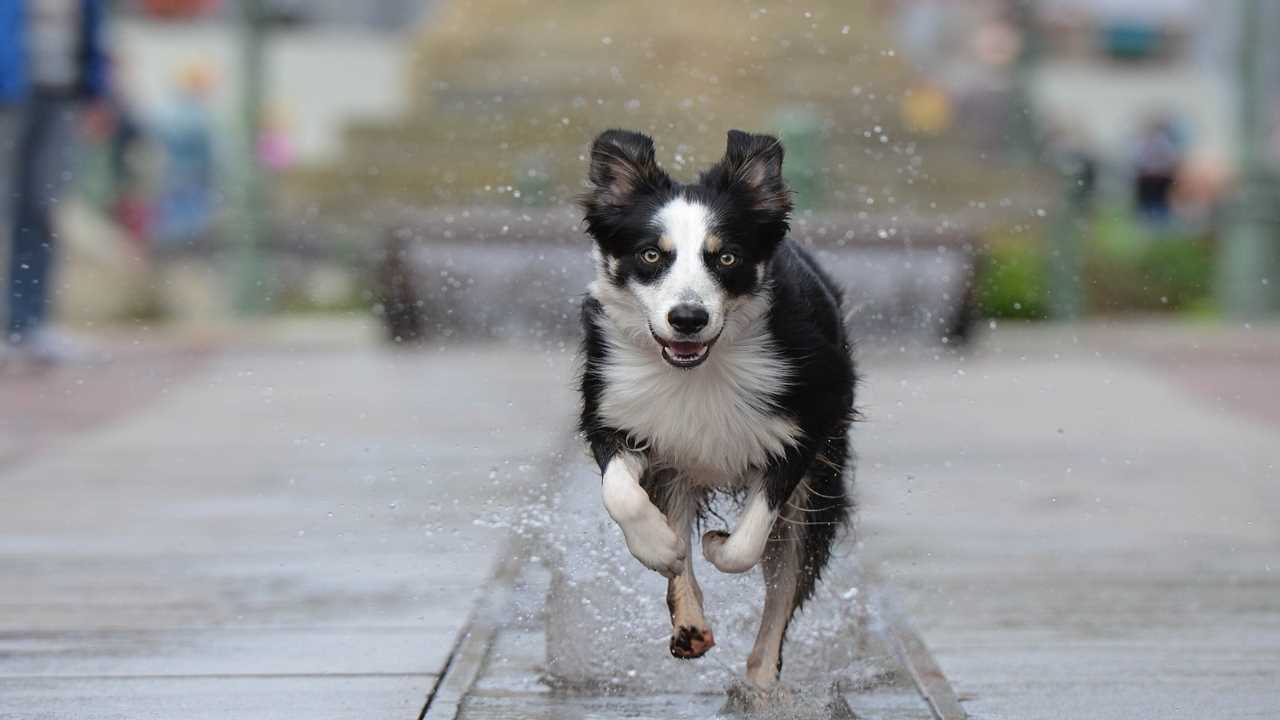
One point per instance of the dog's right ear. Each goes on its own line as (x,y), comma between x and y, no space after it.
(622,167)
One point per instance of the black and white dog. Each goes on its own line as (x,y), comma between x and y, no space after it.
(716,360)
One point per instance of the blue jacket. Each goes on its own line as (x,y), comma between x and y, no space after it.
(14,82)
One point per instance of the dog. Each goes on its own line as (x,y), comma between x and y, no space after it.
(715,360)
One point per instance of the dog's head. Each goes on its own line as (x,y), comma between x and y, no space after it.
(685,255)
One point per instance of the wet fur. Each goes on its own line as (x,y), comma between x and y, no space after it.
(769,411)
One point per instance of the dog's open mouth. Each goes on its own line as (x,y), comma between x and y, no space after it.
(683,354)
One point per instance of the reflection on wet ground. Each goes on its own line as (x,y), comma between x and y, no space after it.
(588,629)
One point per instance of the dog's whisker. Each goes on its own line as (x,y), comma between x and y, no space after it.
(812,510)
(809,489)
(785,519)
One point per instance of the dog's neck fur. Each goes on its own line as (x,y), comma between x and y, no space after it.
(715,422)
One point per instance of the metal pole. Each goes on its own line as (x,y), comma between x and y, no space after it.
(1248,253)
(1066,233)
(1068,224)
(1023,131)
(250,287)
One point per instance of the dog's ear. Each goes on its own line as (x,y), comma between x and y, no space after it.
(752,167)
(622,166)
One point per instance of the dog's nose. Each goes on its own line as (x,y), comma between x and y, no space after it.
(687,318)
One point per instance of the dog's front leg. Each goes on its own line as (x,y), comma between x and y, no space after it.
(691,636)
(739,551)
(649,537)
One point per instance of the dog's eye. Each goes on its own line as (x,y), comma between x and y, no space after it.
(728,259)
(650,255)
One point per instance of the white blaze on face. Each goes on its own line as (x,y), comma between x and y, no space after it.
(685,229)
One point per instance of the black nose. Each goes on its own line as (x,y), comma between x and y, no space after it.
(687,318)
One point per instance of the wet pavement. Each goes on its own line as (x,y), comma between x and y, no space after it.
(575,628)
(1079,522)
(290,531)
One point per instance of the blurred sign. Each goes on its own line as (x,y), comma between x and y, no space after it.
(1132,40)
(179,8)
(927,109)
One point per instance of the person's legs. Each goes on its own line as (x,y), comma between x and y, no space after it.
(9,132)
(43,159)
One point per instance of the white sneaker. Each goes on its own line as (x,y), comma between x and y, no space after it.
(46,346)
(9,355)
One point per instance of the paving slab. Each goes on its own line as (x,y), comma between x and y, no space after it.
(42,409)
(1078,530)
(334,697)
(292,531)
(572,627)
(225,651)
(517,680)
(1078,522)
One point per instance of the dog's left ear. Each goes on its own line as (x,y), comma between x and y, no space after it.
(752,166)
(622,167)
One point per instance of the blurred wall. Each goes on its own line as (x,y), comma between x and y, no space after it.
(319,78)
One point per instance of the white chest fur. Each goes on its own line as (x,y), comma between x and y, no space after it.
(715,421)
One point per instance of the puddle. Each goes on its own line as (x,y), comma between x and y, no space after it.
(606,622)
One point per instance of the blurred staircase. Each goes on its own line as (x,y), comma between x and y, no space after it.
(507,94)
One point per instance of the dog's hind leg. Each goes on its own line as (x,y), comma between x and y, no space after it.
(799,547)
(781,569)
(691,636)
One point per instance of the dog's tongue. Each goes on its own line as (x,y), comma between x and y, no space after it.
(686,348)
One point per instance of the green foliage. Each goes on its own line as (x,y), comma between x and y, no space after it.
(1012,282)
(1128,267)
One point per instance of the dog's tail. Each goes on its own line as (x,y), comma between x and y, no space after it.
(817,513)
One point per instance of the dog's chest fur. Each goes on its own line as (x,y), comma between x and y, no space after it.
(715,422)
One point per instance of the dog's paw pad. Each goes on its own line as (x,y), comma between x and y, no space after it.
(714,538)
(691,642)
(712,541)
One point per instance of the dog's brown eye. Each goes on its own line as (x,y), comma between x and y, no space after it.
(650,255)
(728,259)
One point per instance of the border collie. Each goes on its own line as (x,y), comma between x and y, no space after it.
(715,361)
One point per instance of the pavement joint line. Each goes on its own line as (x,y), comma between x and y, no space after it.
(466,660)
(913,654)
(212,676)
(468,657)
(462,669)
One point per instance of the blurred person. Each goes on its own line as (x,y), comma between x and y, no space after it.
(127,142)
(185,203)
(51,64)
(275,146)
(1203,184)
(1157,161)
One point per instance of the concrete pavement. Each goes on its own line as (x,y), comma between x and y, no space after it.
(1080,522)
(290,533)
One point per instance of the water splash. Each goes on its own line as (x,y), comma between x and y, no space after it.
(607,625)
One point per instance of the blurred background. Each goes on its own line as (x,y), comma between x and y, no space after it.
(286,407)
(1076,157)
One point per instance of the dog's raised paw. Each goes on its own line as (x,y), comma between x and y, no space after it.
(653,543)
(689,642)
(712,541)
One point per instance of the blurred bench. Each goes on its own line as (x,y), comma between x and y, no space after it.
(520,273)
